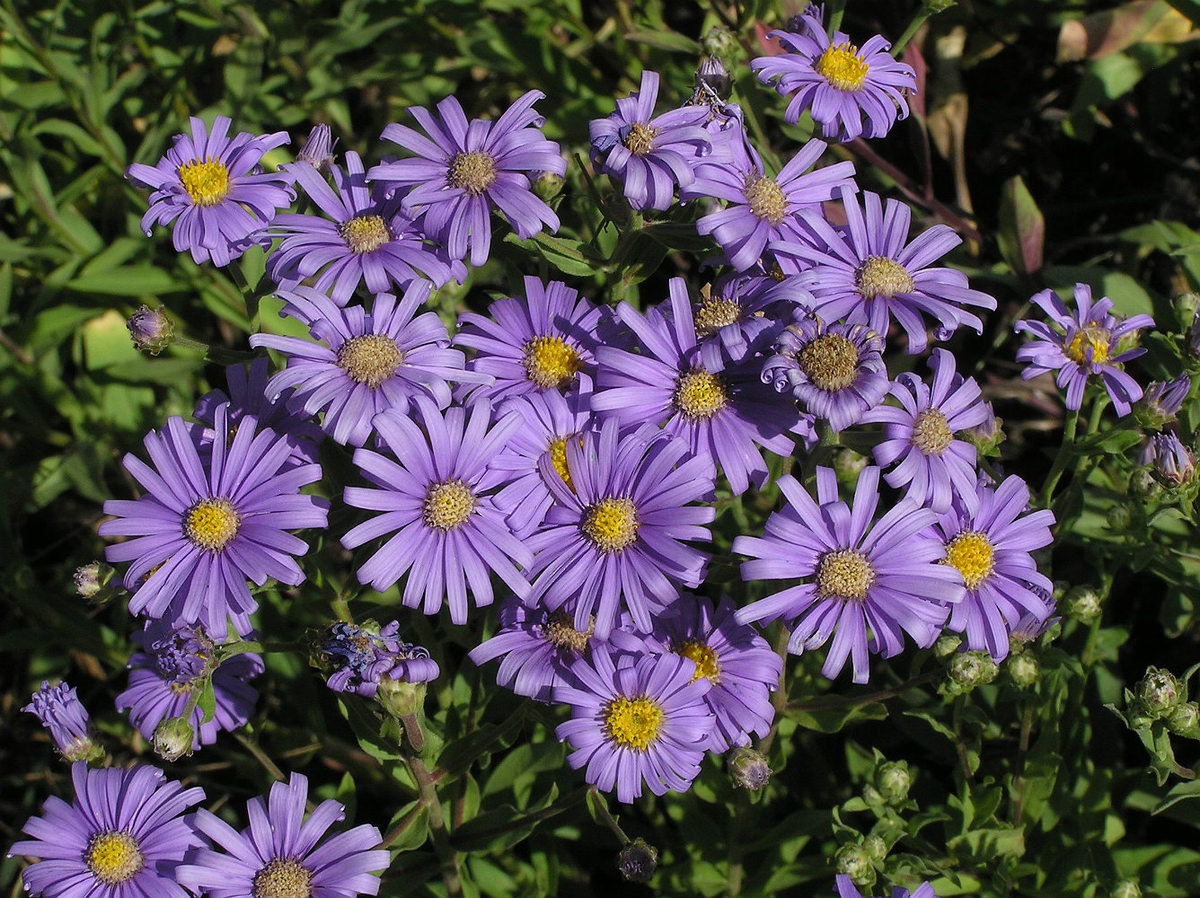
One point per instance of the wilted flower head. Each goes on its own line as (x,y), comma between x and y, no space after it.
(60,711)
(92,578)
(638,860)
(1161,402)
(150,329)
(748,768)
(358,658)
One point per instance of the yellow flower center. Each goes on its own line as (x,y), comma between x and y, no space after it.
(705,658)
(844,574)
(473,172)
(699,395)
(206,181)
(1092,337)
(560,632)
(842,67)
(766,198)
(640,139)
(283,877)
(715,313)
(972,555)
(370,359)
(365,233)
(211,524)
(881,276)
(558,458)
(830,362)
(611,524)
(633,722)
(448,504)
(113,857)
(550,362)
(931,432)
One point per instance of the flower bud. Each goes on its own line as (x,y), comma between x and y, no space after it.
(933,7)
(748,768)
(1157,693)
(971,669)
(399,698)
(1186,306)
(92,578)
(1192,338)
(987,436)
(1083,603)
(1173,464)
(638,860)
(547,186)
(720,42)
(875,847)
(1161,402)
(1023,670)
(849,464)
(318,148)
(1126,888)
(1119,518)
(856,862)
(174,738)
(947,645)
(893,781)
(1185,720)
(713,77)
(150,329)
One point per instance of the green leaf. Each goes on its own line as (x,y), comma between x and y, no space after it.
(834,719)
(132,280)
(1022,232)
(665,40)
(208,701)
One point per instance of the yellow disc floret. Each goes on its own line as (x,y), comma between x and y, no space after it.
(844,574)
(473,172)
(699,395)
(283,877)
(971,554)
(766,198)
(365,233)
(1094,338)
(706,660)
(633,722)
(559,630)
(550,361)
(881,276)
(205,180)
(113,857)
(211,524)
(715,313)
(610,524)
(448,505)
(830,362)
(931,432)
(558,457)
(842,67)
(370,359)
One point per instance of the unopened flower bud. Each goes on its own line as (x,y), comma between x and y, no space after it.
(947,645)
(60,711)
(1142,482)
(92,578)
(1119,518)
(174,738)
(987,436)
(1126,888)
(893,781)
(399,698)
(1185,720)
(1082,603)
(720,42)
(971,669)
(150,329)
(1173,464)
(547,186)
(933,7)
(1157,693)
(856,862)
(318,148)
(1161,402)
(875,847)
(1186,306)
(1023,670)
(749,768)
(713,76)
(849,464)
(638,860)
(1192,338)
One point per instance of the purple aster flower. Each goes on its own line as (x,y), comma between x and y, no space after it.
(544,342)
(360,657)
(365,362)
(739,310)
(866,580)
(1173,462)
(364,239)
(742,667)
(206,525)
(838,83)
(123,836)
(636,722)
(439,495)
(216,189)
(763,209)
(1083,344)
(59,710)
(722,413)
(990,548)
(616,533)
(463,169)
(837,371)
(650,156)
(284,852)
(865,272)
(933,465)
(846,889)
(172,665)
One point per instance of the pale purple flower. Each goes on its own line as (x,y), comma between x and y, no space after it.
(741,311)
(358,658)
(60,711)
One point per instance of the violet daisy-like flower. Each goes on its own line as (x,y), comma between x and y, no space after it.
(616,534)
(284,852)
(1082,344)
(838,83)
(123,836)
(439,494)
(867,271)
(933,465)
(365,238)
(867,581)
(364,362)
(212,187)
(650,155)
(543,342)
(845,889)
(60,711)
(763,209)
(740,309)
(723,413)
(462,169)
(636,723)
(990,548)
(836,370)
(742,667)
(358,658)
(172,664)
(208,523)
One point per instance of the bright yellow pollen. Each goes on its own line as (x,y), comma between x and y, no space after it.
(448,504)
(560,632)
(705,658)
(550,362)
(842,67)
(1092,337)
(370,359)
(640,139)
(211,524)
(972,555)
(844,574)
(206,181)
(113,857)
(881,276)
(715,313)
(611,524)
(558,458)
(931,432)
(473,172)
(365,233)
(766,198)
(830,362)
(699,395)
(633,722)
(283,877)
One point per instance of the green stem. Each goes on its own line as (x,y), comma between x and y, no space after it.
(918,20)
(835,16)
(427,793)
(851,701)
(601,807)
(960,746)
(1065,454)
